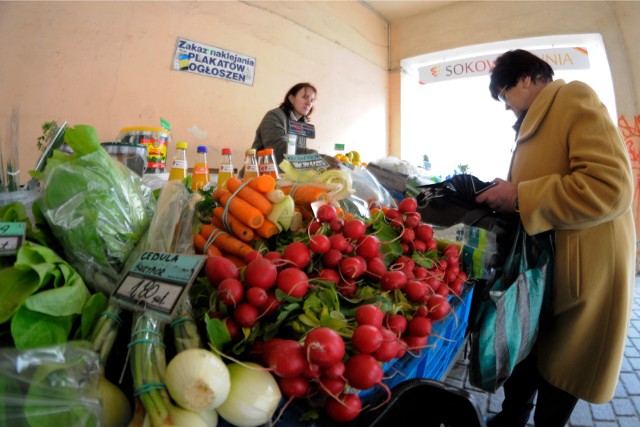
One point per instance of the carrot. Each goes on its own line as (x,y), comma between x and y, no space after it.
(267,229)
(237,261)
(206,230)
(263,183)
(200,243)
(227,243)
(249,195)
(242,210)
(306,194)
(236,227)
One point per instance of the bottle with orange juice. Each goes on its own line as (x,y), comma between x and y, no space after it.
(225,171)
(250,164)
(200,177)
(179,167)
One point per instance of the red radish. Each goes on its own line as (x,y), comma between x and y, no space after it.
(416,290)
(333,371)
(349,248)
(336,224)
(329,274)
(273,256)
(412,219)
(419,326)
(270,307)
(326,213)
(293,281)
(396,323)
(351,267)
(332,386)
(376,268)
(312,371)
(434,283)
(331,258)
(246,315)
(354,229)
(404,261)
(392,280)
(324,346)
(420,272)
(344,410)
(313,227)
(438,307)
(261,273)
(366,338)
(295,386)
(347,288)
(368,246)
(298,253)
(250,256)
(286,359)
(408,204)
(338,241)
(451,248)
(419,246)
(232,327)
(432,245)
(422,311)
(319,244)
(369,314)
(389,347)
(362,371)
(415,342)
(255,296)
(408,236)
(450,275)
(392,213)
(424,232)
(218,268)
(231,291)
(402,348)
(457,286)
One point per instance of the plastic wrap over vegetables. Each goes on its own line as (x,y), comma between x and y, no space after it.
(96,207)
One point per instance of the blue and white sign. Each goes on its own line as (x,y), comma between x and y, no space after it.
(211,61)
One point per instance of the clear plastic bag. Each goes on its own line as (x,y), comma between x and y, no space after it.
(50,386)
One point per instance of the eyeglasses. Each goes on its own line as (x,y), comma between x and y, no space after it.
(501,95)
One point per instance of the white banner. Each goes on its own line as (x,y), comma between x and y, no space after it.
(575,58)
(198,58)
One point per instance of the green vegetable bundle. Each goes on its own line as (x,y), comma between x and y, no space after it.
(97,208)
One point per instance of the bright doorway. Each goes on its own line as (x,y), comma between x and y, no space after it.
(456,122)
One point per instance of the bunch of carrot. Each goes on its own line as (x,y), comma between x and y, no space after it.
(239,219)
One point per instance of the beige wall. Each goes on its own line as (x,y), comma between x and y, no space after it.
(475,22)
(108,64)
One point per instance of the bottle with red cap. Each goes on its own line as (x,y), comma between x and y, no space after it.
(226,169)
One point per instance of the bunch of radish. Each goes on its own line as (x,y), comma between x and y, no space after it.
(394,285)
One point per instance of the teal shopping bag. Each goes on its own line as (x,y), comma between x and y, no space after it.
(512,310)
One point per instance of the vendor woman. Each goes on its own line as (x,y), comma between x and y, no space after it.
(273,129)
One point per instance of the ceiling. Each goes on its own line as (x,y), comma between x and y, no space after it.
(393,10)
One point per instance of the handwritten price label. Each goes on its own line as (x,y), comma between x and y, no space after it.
(12,235)
(158,282)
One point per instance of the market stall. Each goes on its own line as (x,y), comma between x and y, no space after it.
(301,300)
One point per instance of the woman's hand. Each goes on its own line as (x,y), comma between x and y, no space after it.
(501,197)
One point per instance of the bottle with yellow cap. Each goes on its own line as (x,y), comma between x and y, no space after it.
(250,164)
(179,166)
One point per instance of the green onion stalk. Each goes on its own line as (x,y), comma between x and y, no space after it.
(185,330)
(105,332)
(148,366)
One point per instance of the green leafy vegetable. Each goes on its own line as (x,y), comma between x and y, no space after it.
(96,207)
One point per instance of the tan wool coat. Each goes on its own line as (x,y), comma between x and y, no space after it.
(573,174)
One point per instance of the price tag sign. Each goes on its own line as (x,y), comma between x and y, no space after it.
(303,129)
(158,282)
(307,161)
(12,234)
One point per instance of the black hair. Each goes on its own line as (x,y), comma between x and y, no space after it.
(514,65)
(286,104)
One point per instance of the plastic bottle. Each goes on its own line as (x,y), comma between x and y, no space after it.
(226,169)
(200,177)
(250,164)
(179,166)
(267,163)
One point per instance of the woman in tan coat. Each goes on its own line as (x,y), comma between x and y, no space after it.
(569,173)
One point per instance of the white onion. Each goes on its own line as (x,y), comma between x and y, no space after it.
(197,380)
(253,398)
(184,418)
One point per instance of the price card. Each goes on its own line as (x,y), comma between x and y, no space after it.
(158,282)
(303,129)
(307,161)
(12,234)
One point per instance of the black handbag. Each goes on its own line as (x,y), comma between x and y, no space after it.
(453,202)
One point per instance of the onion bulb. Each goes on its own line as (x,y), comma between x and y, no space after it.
(253,398)
(197,380)
(116,409)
